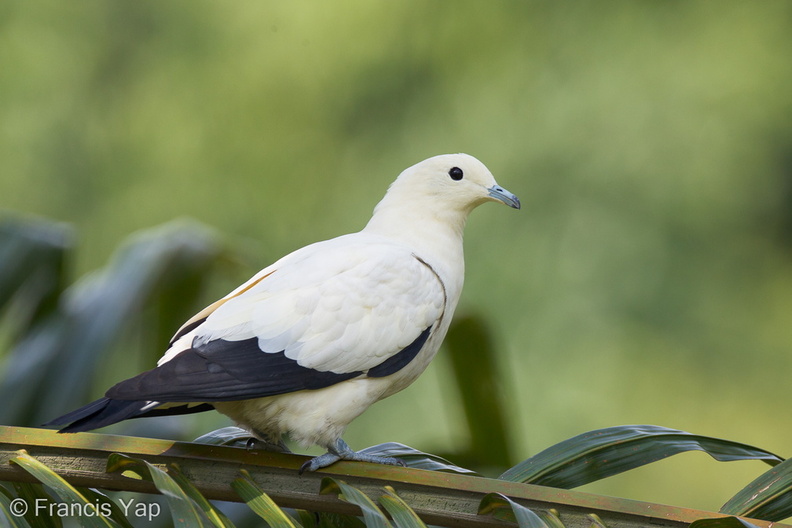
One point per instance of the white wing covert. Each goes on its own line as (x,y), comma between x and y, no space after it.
(329,312)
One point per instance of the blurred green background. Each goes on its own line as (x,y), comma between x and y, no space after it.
(647,279)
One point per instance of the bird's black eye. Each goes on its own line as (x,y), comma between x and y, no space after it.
(456,173)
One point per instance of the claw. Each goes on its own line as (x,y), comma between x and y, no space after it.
(322,461)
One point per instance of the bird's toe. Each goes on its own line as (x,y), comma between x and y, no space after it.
(362,457)
(322,461)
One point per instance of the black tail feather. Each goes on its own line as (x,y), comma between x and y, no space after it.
(77,414)
(99,413)
(106,411)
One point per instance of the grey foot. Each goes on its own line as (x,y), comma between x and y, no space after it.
(341,451)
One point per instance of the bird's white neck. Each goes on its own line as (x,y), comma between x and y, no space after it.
(435,235)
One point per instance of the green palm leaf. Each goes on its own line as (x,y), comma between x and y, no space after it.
(99,498)
(261,503)
(13,520)
(769,497)
(504,508)
(32,263)
(30,493)
(414,458)
(605,452)
(65,491)
(215,516)
(722,522)
(162,267)
(184,510)
(232,436)
(403,516)
(373,516)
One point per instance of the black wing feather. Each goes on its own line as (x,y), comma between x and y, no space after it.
(398,361)
(223,370)
(216,371)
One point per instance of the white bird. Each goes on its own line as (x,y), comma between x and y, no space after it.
(310,342)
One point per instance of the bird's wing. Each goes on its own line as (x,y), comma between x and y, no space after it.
(335,310)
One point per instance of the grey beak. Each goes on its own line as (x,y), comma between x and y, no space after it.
(502,195)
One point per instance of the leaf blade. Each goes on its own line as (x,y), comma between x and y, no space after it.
(401,513)
(768,497)
(227,436)
(497,503)
(372,515)
(13,520)
(183,509)
(65,491)
(30,492)
(605,452)
(116,512)
(215,516)
(722,522)
(415,459)
(261,503)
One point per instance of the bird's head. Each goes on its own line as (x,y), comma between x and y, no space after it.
(454,183)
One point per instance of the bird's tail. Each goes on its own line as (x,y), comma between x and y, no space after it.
(106,411)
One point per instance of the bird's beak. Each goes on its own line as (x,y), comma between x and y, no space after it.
(502,195)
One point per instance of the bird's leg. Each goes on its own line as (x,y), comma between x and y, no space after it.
(341,451)
(265,442)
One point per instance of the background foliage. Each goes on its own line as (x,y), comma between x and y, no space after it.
(646,280)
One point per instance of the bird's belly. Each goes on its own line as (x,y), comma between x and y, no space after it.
(310,417)
(404,377)
(319,417)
